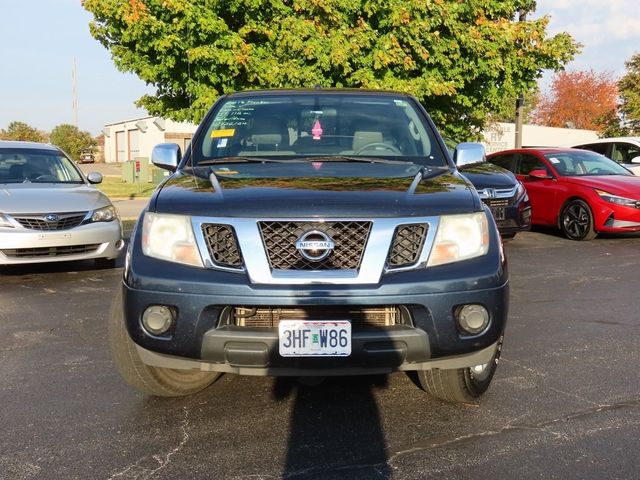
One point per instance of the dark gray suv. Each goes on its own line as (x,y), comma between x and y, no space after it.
(313,233)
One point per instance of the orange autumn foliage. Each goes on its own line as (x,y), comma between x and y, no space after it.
(578,99)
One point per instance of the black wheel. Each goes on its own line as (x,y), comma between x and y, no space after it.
(576,221)
(105,262)
(460,385)
(161,382)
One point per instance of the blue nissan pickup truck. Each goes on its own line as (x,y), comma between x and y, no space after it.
(311,233)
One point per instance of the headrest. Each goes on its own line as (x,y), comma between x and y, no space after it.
(362,139)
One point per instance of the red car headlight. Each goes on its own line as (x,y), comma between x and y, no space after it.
(618,200)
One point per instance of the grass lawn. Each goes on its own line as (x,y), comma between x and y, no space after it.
(127,226)
(115,187)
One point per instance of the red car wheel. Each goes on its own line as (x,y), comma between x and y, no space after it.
(576,221)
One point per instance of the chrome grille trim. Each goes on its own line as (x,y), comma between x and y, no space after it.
(279,239)
(256,263)
(66,220)
(360,317)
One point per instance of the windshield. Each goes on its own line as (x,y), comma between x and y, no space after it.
(581,163)
(303,126)
(20,165)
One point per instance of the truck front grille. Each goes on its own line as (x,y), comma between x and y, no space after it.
(349,237)
(222,245)
(360,317)
(64,221)
(407,245)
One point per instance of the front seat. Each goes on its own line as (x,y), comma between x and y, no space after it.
(268,134)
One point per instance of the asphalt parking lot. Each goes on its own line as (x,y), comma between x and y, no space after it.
(564,402)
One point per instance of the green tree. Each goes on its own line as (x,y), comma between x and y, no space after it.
(459,58)
(22,131)
(629,91)
(506,111)
(72,140)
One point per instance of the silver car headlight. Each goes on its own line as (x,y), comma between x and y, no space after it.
(171,238)
(104,214)
(460,237)
(4,222)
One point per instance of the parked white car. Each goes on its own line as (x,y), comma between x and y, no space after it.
(624,150)
(51,212)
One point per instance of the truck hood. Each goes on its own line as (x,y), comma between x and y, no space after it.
(49,198)
(305,190)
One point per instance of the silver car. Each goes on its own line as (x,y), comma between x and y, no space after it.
(51,212)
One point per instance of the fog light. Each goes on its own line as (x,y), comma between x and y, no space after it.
(473,318)
(157,319)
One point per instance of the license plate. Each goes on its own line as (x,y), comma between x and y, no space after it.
(300,338)
(498,213)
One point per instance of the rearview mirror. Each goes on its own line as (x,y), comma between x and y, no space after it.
(468,153)
(167,156)
(541,174)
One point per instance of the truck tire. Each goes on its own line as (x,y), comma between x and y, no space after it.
(156,381)
(460,385)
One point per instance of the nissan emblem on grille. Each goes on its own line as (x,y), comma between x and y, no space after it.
(315,245)
(51,217)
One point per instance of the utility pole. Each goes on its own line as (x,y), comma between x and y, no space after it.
(519,112)
(74,94)
(522,15)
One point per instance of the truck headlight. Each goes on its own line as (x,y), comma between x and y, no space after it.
(170,237)
(104,214)
(460,237)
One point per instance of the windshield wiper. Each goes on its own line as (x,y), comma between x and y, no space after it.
(343,158)
(213,161)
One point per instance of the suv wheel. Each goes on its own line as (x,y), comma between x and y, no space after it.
(576,221)
(460,385)
(162,382)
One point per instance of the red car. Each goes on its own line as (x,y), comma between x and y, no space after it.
(580,192)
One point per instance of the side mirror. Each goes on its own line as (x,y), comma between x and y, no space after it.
(635,160)
(94,177)
(541,174)
(468,153)
(167,156)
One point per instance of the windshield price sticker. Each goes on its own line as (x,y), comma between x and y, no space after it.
(299,338)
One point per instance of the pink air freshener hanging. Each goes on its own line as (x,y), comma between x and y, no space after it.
(316,131)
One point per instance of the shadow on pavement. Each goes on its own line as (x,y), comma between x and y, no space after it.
(328,426)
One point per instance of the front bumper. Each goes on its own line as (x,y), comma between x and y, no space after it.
(616,219)
(431,340)
(94,240)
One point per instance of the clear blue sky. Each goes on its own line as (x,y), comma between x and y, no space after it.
(40,38)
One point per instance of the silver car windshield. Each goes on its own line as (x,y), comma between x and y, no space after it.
(305,126)
(22,165)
